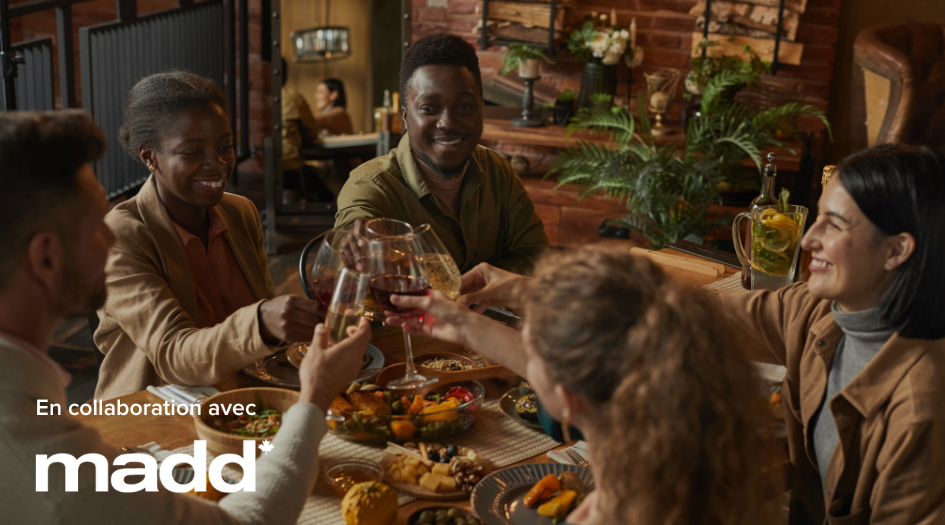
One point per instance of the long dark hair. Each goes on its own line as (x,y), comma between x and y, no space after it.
(336,86)
(901,189)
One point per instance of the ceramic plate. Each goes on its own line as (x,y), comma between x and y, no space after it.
(497,499)
(276,370)
(294,355)
(507,405)
(421,493)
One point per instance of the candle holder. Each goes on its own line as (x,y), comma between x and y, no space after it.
(528,120)
(660,91)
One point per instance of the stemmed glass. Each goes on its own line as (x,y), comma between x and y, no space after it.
(347,304)
(436,263)
(328,264)
(394,268)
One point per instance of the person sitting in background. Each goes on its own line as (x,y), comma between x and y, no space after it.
(332,105)
(439,174)
(56,242)
(299,129)
(862,342)
(673,419)
(190,296)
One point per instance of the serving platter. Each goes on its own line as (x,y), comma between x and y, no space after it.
(507,405)
(294,355)
(421,493)
(497,499)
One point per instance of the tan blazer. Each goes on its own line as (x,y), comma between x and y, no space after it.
(888,464)
(148,327)
(284,477)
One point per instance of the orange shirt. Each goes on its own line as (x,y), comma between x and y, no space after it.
(219,282)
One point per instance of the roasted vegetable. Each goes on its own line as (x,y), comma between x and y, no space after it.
(559,506)
(526,407)
(417,406)
(369,404)
(545,487)
(570,481)
(442,412)
(404,429)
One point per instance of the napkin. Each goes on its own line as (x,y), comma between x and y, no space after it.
(562,457)
(183,395)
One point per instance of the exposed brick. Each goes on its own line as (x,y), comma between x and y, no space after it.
(675,23)
(819,53)
(826,4)
(827,17)
(813,71)
(462,7)
(815,89)
(679,6)
(461,24)
(666,57)
(659,39)
(816,34)
(432,14)
(490,61)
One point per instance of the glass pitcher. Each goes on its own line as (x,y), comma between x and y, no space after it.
(775,244)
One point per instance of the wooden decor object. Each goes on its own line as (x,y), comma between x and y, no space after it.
(738,18)
(789,52)
(528,14)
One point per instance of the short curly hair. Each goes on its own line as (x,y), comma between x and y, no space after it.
(155,102)
(439,49)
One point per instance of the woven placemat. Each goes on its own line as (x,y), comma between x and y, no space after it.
(494,436)
(731,284)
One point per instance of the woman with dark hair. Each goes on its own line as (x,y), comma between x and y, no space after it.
(190,298)
(640,365)
(331,104)
(863,395)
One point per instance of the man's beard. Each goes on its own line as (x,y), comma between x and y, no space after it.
(445,172)
(78,297)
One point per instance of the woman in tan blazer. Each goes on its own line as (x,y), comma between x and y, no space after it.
(190,298)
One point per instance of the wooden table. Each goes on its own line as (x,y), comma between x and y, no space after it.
(178,431)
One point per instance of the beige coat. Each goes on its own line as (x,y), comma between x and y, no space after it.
(888,464)
(148,327)
(284,477)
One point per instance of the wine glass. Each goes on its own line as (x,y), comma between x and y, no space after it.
(436,263)
(393,269)
(329,262)
(347,304)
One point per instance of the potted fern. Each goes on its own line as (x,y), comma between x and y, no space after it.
(526,58)
(669,188)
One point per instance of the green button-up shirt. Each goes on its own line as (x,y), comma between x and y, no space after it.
(497,222)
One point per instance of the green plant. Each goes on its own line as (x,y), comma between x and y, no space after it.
(567,95)
(604,45)
(601,98)
(518,53)
(547,105)
(708,67)
(668,189)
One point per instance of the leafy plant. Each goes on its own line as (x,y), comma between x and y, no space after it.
(706,68)
(604,45)
(567,95)
(668,189)
(518,53)
(601,98)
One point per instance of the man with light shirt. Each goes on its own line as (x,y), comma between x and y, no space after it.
(52,266)
(440,175)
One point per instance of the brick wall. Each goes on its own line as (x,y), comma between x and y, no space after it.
(43,24)
(664,30)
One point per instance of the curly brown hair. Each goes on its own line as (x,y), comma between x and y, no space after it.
(684,443)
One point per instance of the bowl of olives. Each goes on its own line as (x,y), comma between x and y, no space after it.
(443,515)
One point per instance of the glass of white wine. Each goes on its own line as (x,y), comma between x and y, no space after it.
(347,304)
(435,262)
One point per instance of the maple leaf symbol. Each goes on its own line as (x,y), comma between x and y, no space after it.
(266,447)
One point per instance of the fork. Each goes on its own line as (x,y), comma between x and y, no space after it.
(576,458)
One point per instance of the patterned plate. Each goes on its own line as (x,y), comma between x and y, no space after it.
(497,499)
(507,405)
(295,355)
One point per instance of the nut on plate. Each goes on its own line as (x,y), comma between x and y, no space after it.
(466,472)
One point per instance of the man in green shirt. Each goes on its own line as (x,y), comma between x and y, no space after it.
(440,175)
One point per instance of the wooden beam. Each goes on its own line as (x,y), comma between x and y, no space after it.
(530,15)
(790,52)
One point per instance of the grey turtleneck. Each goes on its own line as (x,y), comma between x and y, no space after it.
(864,333)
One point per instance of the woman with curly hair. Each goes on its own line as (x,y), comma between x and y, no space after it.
(639,364)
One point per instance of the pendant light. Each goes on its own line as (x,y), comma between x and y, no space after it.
(322,44)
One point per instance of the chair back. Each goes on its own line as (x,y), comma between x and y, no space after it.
(303,263)
(899,85)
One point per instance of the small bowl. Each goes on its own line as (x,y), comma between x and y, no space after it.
(344,473)
(414,518)
(419,360)
(219,442)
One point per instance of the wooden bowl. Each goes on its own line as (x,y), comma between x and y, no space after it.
(219,442)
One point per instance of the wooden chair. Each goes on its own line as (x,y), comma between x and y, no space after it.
(899,85)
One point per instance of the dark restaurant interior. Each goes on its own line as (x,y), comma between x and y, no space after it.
(476,261)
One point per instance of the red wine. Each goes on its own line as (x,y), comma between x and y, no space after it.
(383,286)
(322,289)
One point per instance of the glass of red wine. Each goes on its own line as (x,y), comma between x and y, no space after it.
(393,269)
(329,261)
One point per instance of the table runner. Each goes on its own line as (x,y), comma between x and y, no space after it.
(494,436)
